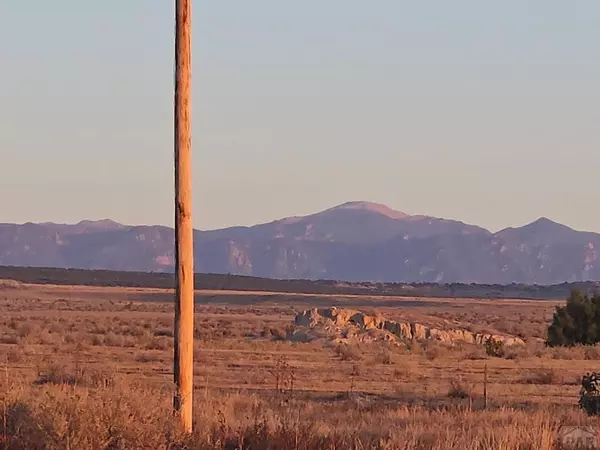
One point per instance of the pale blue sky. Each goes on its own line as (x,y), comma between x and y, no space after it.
(488,112)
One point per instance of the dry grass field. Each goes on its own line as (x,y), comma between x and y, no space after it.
(91,368)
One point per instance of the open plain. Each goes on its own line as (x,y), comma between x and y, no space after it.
(91,368)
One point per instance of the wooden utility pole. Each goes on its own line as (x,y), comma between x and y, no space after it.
(183,362)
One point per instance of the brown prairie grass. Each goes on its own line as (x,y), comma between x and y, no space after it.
(133,416)
(458,390)
(87,369)
(348,352)
(541,376)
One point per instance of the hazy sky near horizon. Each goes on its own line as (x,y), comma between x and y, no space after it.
(486,112)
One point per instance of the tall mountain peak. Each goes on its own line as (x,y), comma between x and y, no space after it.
(373,207)
(545,225)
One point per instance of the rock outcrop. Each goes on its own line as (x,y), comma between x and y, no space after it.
(348,324)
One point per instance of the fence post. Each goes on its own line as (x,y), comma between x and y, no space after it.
(485,387)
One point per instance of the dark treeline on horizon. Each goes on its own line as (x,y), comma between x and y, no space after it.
(106,278)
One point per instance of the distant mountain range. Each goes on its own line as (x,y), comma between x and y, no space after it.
(356,241)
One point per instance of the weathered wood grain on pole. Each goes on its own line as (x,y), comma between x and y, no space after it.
(183,363)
